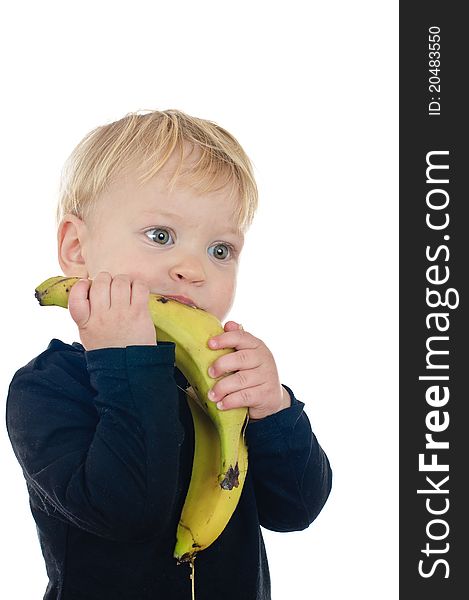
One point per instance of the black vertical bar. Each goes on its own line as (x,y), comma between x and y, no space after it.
(434,271)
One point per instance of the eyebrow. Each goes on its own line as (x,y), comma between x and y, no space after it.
(162,213)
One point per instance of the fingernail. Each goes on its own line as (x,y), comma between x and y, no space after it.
(241,327)
(211,394)
(211,371)
(213,343)
(220,405)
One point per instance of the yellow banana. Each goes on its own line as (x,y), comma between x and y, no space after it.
(207,507)
(220,455)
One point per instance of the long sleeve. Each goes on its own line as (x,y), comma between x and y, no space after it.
(104,458)
(105,440)
(291,473)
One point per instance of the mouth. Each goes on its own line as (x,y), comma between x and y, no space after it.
(182,299)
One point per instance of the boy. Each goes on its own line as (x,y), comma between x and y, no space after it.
(156,202)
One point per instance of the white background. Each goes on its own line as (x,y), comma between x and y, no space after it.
(310,90)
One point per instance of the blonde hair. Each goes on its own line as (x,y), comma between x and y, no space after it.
(147,140)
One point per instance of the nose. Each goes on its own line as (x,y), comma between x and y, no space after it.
(188,268)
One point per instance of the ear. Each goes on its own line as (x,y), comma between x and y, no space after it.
(71,237)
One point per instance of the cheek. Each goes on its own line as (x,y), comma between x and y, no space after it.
(225,294)
(226,284)
(106,254)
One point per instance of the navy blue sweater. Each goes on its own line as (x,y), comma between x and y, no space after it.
(105,440)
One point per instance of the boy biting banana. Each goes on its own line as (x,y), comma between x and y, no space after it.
(156,202)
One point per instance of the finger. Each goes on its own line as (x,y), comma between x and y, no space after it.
(100,292)
(234,383)
(235,361)
(237,339)
(246,397)
(232,326)
(139,294)
(120,291)
(78,303)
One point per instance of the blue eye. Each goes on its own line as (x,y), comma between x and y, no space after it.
(221,251)
(161,236)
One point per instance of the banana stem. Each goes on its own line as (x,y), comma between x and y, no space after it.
(192,576)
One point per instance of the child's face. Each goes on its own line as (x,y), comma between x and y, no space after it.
(180,242)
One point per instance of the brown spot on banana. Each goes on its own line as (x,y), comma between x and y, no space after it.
(231,478)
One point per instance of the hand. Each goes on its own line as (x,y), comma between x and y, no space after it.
(254,379)
(112,312)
